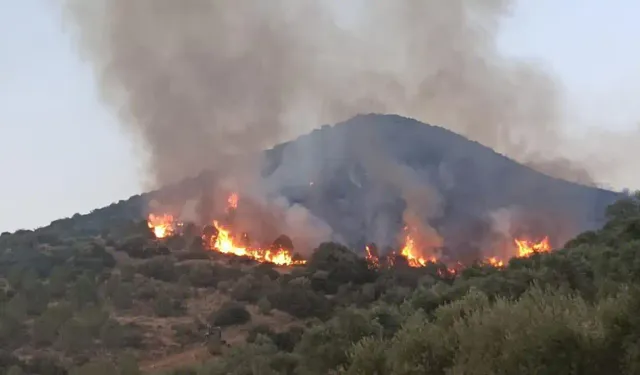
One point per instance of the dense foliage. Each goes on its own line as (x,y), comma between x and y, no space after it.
(110,301)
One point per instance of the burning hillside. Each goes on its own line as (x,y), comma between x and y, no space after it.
(479,206)
(225,242)
(223,239)
(519,248)
(357,203)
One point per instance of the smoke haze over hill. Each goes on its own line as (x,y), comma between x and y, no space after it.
(201,81)
(209,84)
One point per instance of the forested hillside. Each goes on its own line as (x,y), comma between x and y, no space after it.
(121,302)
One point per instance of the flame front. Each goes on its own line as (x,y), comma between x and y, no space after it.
(410,252)
(527,248)
(162,225)
(226,244)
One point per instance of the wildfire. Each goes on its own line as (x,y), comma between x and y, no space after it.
(495,261)
(225,243)
(527,248)
(372,256)
(410,252)
(161,225)
(218,237)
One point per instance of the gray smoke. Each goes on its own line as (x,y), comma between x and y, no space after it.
(203,81)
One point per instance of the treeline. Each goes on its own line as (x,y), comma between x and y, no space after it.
(71,305)
(574,311)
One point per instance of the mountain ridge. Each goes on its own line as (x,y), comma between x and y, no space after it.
(462,171)
(325,172)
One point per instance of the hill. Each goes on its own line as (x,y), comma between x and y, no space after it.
(355,191)
(100,294)
(357,177)
(124,301)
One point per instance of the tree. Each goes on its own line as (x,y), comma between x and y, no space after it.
(165,306)
(37,299)
(264,306)
(325,347)
(162,269)
(341,266)
(16,308)
(98,367)
(300,301)
(122,298)
(58,281)
(201,276)
(46,327)
(12,332)
(84,291)
(128,365)
(112,334)
(230,313)
(74,337)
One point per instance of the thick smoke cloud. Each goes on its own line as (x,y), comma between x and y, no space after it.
(201,82)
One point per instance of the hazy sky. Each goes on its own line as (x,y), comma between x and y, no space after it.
(61,151)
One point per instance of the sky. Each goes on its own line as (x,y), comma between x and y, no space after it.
(62,151)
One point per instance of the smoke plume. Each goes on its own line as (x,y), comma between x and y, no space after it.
(201,82)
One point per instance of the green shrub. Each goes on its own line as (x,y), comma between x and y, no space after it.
(166,306)
(162,269)
(229,314)
(300,301)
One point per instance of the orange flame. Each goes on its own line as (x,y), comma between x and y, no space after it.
(226,244)
(527,248)
(162,225)
(410,252)
(495,262)
(372,259)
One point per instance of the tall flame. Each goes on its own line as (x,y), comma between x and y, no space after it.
(161,225)
(413,256)
(527,248)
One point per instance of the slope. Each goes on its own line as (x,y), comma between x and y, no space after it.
(355,175)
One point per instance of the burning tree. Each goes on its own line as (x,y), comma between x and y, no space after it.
(161,225)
